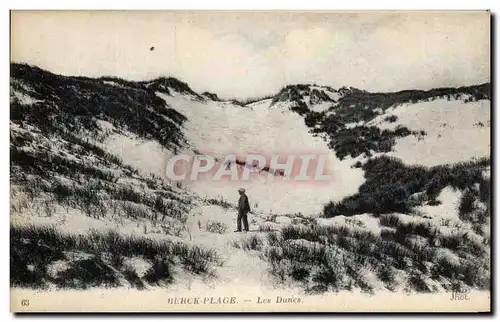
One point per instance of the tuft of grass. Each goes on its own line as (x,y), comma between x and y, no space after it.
(265,228)
(386,274)
(416,282)
(159,272)
(466,203)
(390,220)
(474,205)
(434,202)
(131,276)
(391,118)
(215,227)
(87,273)
(220,202)
(252,243)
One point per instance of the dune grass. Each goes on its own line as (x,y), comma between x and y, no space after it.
(322,258)
(101,259)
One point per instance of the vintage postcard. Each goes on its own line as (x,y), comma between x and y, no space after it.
(250,161)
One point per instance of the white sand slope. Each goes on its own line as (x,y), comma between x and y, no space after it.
(456,131)
(221,127)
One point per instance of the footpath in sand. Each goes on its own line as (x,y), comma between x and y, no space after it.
(240,266)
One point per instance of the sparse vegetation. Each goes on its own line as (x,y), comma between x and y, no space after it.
(474,206)
(251,243)
(390,220)
(265,228)
(271,218)
(391,118)
(55,151)
(211,96)
(220,202)
(434,202)
(57,160)
(87,100)
(390,183)
(62,165)
(385,100)
(356,106)
(35,249)
(365,140)
(215,227)
(98,198)
(337,258)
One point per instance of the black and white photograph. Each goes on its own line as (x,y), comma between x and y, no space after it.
(250,161)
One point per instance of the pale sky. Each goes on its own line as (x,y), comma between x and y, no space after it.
(248,54)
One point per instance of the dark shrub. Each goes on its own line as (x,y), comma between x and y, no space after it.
(391,118)
(390,183)
(159,272)
(132,277)
(466,204)
(87,273)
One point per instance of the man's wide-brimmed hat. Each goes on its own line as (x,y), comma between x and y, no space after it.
(241,190)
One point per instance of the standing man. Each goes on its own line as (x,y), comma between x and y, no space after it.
(243,210)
